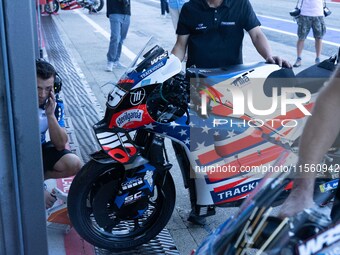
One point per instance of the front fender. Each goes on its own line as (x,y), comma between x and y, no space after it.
(102,157)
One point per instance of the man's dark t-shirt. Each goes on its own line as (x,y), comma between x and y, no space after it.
(118,7)
(216,34)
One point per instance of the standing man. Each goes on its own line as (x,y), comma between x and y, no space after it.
(119,12)
(164,8)
(58,161)
(311,17)
(213,32)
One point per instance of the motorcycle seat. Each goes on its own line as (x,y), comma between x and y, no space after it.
(282,78)
(313,78)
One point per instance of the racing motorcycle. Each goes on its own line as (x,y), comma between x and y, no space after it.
(125,195)
(66,5)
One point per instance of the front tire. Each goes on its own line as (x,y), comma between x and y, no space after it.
(125,234)
(55,7)
(98,5)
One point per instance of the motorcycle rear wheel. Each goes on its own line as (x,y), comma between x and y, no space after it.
(126,234)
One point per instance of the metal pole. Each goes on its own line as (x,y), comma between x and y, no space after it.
(37,29)
(22,214)
(10,195)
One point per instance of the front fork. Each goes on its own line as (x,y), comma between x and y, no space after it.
(152,148)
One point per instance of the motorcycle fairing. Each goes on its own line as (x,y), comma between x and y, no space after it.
(168,67)
(123,96)
(157,67)
(126,104)
(69,5)
(115,142)
(232,193)
(128,198)
(177,130)
(132,118)
(137,192)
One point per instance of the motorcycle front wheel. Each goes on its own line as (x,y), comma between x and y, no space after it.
(122,234)
(55,7)
(98,5)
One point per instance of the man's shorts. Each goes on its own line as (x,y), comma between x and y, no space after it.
(51,155)
(305,23)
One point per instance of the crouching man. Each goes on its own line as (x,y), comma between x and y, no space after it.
(58,161)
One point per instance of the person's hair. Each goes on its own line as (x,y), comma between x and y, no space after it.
(44,69)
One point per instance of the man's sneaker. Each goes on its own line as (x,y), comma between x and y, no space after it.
(44,14)
(195,219)
(118,64)
(109,66)
(92,10)
(297,62)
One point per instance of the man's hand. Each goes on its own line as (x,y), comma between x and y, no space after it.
(301,195)
(297,201)
(50,105)
(49,199)
(58,134)
(279,61)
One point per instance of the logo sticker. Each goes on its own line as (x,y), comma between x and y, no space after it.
(131,183)
(151,70)
(131,115)
(137,96)
(237,191)
(148,177)
(317,243)
(155,60)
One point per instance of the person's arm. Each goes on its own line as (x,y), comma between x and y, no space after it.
(180,46)
(323,126)
(263,48)
(58,134)
(318,135)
